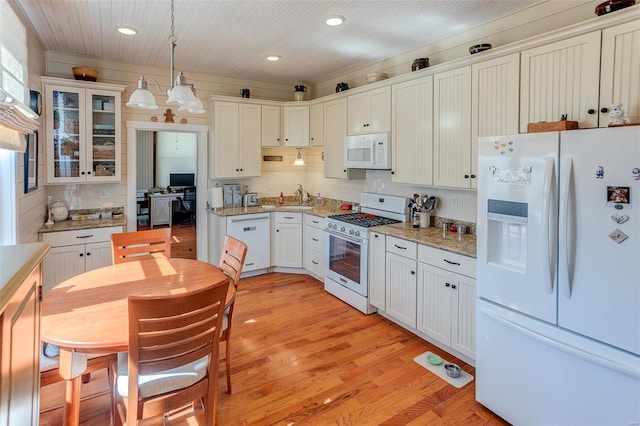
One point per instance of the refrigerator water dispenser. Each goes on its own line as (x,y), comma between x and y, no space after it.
(507,234)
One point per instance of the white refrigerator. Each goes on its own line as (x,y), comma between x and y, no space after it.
(558,277)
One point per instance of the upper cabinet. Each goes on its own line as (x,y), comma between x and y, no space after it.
(83,123)
(236,140)
(316,125)
(452,128)
(271,125)
(412,132)
(335,130)
(296,125)
(370,112)
(620,68)
(561,78)
(494,103)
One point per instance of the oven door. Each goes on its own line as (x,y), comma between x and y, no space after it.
(346,261)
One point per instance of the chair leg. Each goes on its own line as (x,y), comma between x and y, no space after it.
(227,361)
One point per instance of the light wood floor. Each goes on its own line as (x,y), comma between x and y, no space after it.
(302,357)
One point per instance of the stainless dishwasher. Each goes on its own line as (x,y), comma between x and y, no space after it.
(253,230)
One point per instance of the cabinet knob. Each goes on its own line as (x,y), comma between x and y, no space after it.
(375,235)
(89,254)
(278,139)
(81,173)
(591,111)
(81,254)
(392,172)
(413,272)
(447,285)
(242,170)
(89,172)
(473,176)
(344,170)
(604,110)
(312,139)
(466,176)
(286,139)
(237,170)
(453,286)
(277,230)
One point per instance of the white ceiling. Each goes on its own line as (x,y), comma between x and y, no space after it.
(233,37)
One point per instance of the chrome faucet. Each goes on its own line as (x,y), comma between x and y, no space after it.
(300,193)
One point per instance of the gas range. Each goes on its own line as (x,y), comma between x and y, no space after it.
(356,223)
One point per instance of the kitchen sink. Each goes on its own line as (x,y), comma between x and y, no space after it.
(296,207)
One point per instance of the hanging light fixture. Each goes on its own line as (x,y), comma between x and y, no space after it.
(299,161)
(180,94)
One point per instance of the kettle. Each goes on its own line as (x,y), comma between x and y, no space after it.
(342,86)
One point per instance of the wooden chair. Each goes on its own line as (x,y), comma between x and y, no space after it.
(50,366)
(128,246)
(174,344)
(231,262)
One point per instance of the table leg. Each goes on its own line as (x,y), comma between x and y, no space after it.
(72,365)
(71,416)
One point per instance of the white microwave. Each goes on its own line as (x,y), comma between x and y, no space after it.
(372,151)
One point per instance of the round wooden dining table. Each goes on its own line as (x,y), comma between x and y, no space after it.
(88,314)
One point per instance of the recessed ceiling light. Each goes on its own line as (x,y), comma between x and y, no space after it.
(273,58)
(127,30)
(335,20)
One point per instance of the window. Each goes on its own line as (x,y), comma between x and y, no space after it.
(13,53)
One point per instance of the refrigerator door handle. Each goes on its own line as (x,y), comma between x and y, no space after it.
(547,271)
(564,255)
(564,347)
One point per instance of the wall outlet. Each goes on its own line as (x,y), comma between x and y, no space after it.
(105,193)
(453,201)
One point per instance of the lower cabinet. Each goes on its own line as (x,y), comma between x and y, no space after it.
(75,252)
(161,210)
(401,280)
(314,243)
(253,230)
(446,299)
(287,240)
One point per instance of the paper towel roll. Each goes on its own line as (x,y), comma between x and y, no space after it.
(217,200)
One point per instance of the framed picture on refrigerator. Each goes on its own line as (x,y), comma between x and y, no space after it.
(31,163)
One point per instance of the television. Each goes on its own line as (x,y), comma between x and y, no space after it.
(181,179)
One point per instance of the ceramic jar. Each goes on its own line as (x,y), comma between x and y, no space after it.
(59,211)
(299,93)
(419,63)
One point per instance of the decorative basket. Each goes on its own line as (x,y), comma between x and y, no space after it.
(551,126)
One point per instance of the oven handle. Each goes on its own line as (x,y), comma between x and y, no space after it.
(343,236)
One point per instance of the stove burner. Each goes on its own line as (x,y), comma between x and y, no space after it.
(366,220)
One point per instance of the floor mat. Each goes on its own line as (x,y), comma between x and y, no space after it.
(439,371)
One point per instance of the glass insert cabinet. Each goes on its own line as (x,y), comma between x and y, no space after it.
(83,129)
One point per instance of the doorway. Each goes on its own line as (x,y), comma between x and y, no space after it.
(200,132)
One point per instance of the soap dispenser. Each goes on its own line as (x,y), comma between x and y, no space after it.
(281,198)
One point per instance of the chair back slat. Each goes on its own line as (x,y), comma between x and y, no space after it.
(129,246)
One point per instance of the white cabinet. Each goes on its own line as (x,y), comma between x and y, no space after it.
(561,78)
(494,103)
(335,130)
(253,230)
(82,138)
(452,128)
(296,125)
(75,252)
(287,240)
(446,299)
(412,134)
(401,280)
(237,140)
(620,68)
(161,209)
(316,125)
(271,125)
(314,243)
(377,270)
(370,112)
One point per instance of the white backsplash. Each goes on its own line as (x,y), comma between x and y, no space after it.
(86,196)
(270,184)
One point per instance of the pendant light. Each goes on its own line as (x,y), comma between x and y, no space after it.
(180,94)
(299,161)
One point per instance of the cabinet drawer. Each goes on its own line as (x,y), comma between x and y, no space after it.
(314,262)
(401,247)
(81,236)
(453,262)
(315,221)
(287,217)
(314,238)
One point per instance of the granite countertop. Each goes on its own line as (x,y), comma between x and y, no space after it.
(321,211)
(74,225)
(432,237)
